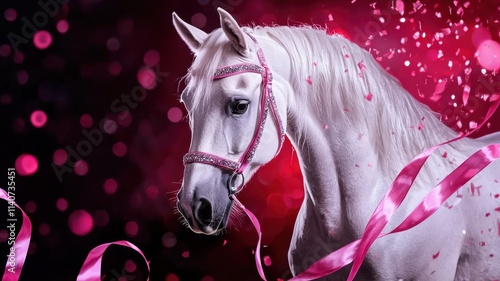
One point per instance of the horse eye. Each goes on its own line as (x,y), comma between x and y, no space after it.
(239,107)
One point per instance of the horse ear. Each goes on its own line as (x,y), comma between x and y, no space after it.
(193,36)
(233,31)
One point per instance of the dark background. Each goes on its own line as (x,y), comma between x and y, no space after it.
(86,69)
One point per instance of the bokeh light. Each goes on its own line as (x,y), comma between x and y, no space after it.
(151,58)
(10,14)
(62,26)
(26,164)
(30,207)
(81,167)
(62,204)
(488,55)
(119,149)
(147,78)
(42,39)
(131,228)
(169,240)
(110,186)
(171,277)
(38,118)
(60,156)
(86,121)
(4,50)
(101,218)
(80,222)
(174,114)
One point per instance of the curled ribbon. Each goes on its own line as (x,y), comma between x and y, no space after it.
(91,269)
(357,250)
(21,244)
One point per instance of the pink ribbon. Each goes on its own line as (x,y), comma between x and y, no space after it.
(397,192)
(21,244)
(256,224)
(428,206)
(357,250)
(91,268)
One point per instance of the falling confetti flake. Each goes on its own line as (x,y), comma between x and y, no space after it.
(369,97)
(436,255)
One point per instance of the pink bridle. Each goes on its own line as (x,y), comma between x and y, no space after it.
(267,100)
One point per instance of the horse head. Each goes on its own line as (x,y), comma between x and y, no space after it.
(229,96)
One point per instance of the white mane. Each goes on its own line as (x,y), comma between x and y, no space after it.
(339,87)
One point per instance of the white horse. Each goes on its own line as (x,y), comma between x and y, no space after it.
(354,128)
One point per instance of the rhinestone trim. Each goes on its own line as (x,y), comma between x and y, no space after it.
(236,69)
(205,158)
(269,100)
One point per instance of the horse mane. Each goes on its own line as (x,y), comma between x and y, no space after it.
(342,74)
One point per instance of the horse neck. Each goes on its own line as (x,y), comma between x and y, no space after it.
(347,145)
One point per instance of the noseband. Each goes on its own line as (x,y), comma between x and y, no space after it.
(267,101)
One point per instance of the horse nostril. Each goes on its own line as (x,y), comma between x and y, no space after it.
(203,212)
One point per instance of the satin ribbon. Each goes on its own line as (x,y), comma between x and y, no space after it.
(397,192)
(256,225)
(21,244)
(91,268)
(428,206)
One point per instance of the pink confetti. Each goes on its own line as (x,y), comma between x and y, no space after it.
(267,261)
(369,97)
(346,56)
(497,209)
(420,126)
(444,154)
(465,94)
(308,80)
(472,125)
(80,222)
(224,243)
(361,66)
(498,227)
(440,86)
(185,254)
(360,136)
(400,7)
(494,97)
(487,214)
(356,165)
(436,255)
